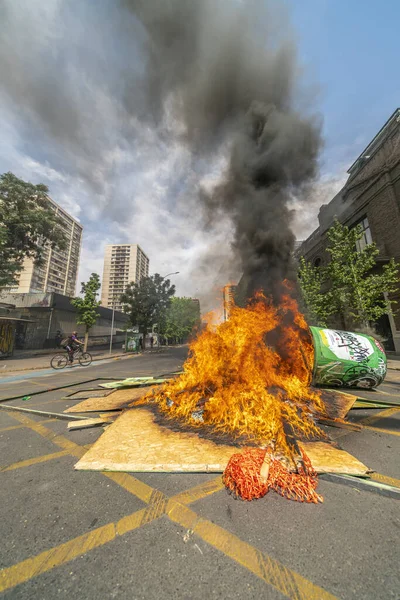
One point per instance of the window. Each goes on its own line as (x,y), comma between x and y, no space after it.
(366,238)
(317,262)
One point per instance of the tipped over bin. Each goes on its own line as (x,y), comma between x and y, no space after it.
(347,359)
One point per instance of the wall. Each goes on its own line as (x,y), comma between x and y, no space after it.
(53,312)
(372,191)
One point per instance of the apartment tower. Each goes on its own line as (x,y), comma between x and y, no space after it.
(123,263)
(59,270)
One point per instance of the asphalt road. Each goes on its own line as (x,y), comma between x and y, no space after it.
(75,534)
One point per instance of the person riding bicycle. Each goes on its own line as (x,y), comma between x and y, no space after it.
(71,344)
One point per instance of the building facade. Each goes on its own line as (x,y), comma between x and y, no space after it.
(123,264)
(370,198)
(37,318)
(59,270)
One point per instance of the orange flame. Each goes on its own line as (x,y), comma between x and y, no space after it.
(250,377)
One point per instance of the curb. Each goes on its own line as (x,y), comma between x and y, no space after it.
(95,359)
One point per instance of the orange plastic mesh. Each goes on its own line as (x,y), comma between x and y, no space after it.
(242,477)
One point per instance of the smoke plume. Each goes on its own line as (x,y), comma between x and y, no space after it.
(113,87)
(226,77)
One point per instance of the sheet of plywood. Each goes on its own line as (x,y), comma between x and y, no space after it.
(84,394)
(86,423)
(117,400)
(325,458)
(135,442)
(337,403)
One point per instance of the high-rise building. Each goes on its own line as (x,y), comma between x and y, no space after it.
(59,270)
(229,299)
(123,263)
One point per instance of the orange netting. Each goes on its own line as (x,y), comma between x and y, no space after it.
(242,477)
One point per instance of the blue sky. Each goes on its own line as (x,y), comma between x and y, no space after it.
(352,50)
(128,183)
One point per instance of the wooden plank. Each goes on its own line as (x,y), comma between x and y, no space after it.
(117,400)
(86,423)
(340,424)
(325,458)
(135,442)
(41,413)
(91,393)
(337,403)
(110,415)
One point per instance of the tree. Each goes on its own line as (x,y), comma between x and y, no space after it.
(28,225)
(357,291)
(181,317)
(311,279)
(147,301)
(87,306)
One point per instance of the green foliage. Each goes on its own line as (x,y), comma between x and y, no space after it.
(146,302)
(311,279)
(87,306)
(27,225)
(350,285)
(181,317)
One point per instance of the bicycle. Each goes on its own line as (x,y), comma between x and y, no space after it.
(60,361)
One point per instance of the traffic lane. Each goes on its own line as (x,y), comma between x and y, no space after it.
(346,545)
(149,563)
(47,504)
(151,364)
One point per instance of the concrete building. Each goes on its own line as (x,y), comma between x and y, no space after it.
(60,268)
(228,299)
(371,198)
(36,318)
(123,264)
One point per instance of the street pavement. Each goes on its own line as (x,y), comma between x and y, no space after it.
(76,534)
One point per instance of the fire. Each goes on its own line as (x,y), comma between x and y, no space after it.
(250,378)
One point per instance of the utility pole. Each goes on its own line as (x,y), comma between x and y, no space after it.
(112,323)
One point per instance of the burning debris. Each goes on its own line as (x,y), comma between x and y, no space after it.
(250,379)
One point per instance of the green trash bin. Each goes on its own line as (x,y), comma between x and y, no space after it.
(131,344)
(346,359)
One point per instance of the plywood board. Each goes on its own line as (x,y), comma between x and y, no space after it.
(337,403)
(116,400)
(136,443)
(325,458)
(83,394)
(86,423)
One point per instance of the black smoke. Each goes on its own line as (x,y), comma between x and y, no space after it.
(221,76)
(226,75)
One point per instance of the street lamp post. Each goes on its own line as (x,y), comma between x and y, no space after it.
(112,323)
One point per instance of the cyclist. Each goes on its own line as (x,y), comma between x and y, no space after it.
(71,343)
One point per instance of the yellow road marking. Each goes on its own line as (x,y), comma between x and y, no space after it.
(55,557)
(385,479)
(381,430)
(11,428)
(286,581)
(132,485)
(388,394)
(200,491)
(21,426)
(383,414)
(34,461)
(49,559)
(48,434)
(269,570)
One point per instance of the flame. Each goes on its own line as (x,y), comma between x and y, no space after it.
(250,377)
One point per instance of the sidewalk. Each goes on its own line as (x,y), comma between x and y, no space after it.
(42,360)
